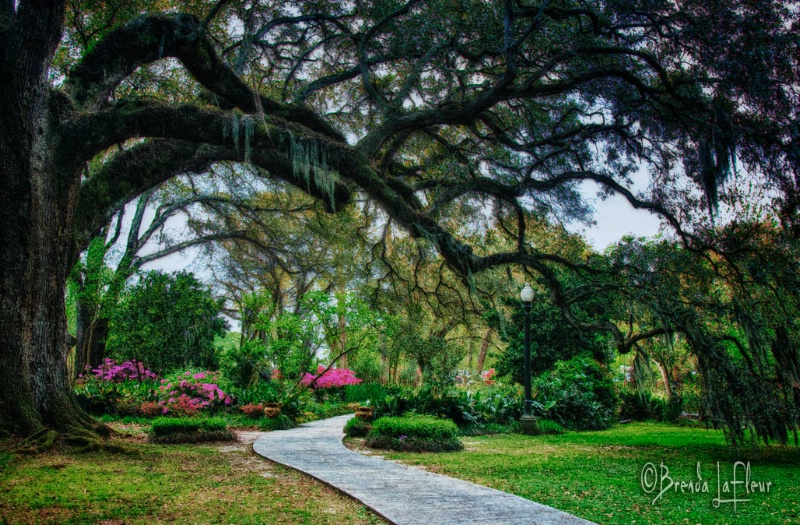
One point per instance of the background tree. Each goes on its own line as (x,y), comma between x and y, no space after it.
(732,308)
(99,281)
(167,322)
(551,339)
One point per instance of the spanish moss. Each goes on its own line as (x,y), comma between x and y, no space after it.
(308,159)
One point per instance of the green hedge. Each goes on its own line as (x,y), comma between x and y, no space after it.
(415,426)
(185,430)
(357,428)
(414,434)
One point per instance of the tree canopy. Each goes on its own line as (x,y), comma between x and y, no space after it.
(425,109)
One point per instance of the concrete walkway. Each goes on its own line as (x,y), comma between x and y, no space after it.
(401,494)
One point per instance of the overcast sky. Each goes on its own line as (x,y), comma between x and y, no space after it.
(615,218)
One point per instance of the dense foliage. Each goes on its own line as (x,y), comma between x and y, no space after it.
(582,394)
(167,322)
(552,337)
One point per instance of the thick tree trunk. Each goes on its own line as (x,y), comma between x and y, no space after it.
(35,232)
(36,208)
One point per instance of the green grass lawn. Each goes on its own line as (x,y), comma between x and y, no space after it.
(595,475)
(598,475)
(212,483)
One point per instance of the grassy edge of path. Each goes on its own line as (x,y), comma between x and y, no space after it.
(599,475)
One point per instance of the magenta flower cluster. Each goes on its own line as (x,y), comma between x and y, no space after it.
(332,378)
(190,393)
(132,370)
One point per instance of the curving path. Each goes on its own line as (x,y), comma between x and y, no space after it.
(401,494)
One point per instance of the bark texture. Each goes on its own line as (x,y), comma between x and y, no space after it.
(36,211)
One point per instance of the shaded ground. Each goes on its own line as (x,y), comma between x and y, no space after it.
(209,483)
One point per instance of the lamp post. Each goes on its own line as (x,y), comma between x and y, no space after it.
(527,422)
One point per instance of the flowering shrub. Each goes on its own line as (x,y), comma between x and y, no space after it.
(334,377)
(189,393)
(252,410)
(116,387)
(130,388)
(150,409)
(488,376)
(128,371)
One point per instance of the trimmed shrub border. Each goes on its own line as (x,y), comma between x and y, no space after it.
(184,430)
(414,444)
(547,426)
(414,434)
(357,428)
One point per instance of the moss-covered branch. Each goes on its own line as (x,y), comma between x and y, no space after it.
(133,171)
(148,39)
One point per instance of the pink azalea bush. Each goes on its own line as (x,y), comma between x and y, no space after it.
(116,387)
(188,393)
(151,409)
(332,378)
(130,388)
(115,372)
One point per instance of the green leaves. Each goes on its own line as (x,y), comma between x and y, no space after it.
(414,433)
(168,322)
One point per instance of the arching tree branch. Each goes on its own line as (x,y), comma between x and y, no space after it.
(182,36)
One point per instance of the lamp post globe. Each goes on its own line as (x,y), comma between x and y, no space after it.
(526,294)
(528,421)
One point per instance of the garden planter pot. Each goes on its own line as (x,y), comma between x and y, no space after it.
(272,409)
(364,413)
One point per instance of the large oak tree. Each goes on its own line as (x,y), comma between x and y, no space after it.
(420,106)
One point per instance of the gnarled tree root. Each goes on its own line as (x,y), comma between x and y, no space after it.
(88,439)
(39,441)
(100,438)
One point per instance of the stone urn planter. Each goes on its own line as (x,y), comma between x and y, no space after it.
(364,413)
(272,409)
